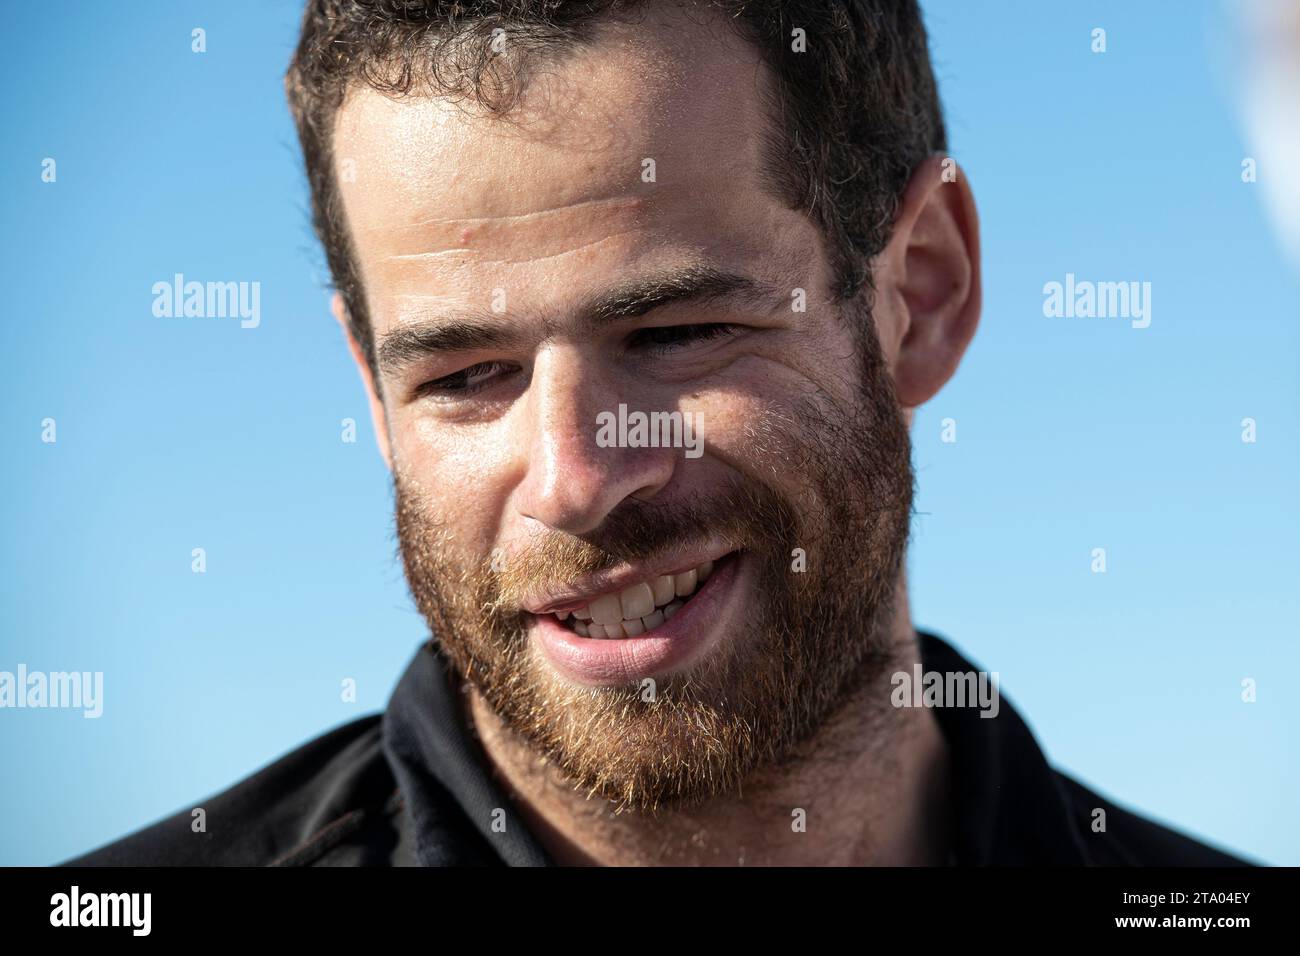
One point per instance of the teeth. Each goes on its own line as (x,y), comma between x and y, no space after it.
(637,601)
(664,589)
(685,583)
(636,609)
(606,609)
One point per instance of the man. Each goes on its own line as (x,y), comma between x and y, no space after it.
(644,296)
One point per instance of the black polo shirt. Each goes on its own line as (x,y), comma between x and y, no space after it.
(413,787)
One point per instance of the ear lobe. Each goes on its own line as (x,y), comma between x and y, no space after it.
(378,416)
(935,264)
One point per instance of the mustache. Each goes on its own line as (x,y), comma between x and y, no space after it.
(741,514)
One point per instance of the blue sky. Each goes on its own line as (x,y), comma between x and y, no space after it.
(1072,434)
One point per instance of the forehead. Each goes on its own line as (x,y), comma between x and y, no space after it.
(644,148)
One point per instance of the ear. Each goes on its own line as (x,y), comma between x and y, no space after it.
(929,279)
(377,414)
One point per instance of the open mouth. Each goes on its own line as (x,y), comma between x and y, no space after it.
(637,610)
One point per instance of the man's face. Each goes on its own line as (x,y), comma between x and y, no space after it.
(508,267)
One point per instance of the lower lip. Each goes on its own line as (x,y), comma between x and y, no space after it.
(672,646)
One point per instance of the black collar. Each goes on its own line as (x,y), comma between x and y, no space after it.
(1009,805)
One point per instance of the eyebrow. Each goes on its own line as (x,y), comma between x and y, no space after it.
(476,329)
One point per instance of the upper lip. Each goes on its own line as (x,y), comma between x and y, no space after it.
(575,594)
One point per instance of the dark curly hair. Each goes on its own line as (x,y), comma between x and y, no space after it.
(853,115)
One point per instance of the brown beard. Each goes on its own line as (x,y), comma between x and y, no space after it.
(818,637)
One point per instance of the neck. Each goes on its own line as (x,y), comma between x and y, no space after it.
(869,788)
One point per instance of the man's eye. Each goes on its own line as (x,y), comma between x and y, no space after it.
(465,382)
(669,337)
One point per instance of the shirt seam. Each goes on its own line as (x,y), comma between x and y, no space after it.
(332,833)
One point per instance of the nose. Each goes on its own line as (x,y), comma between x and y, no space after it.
(571,482)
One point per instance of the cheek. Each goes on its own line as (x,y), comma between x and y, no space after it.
(722,419)
(462,475)
(750,428)
(778,417)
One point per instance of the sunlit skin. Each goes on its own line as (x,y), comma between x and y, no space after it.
(449,210)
